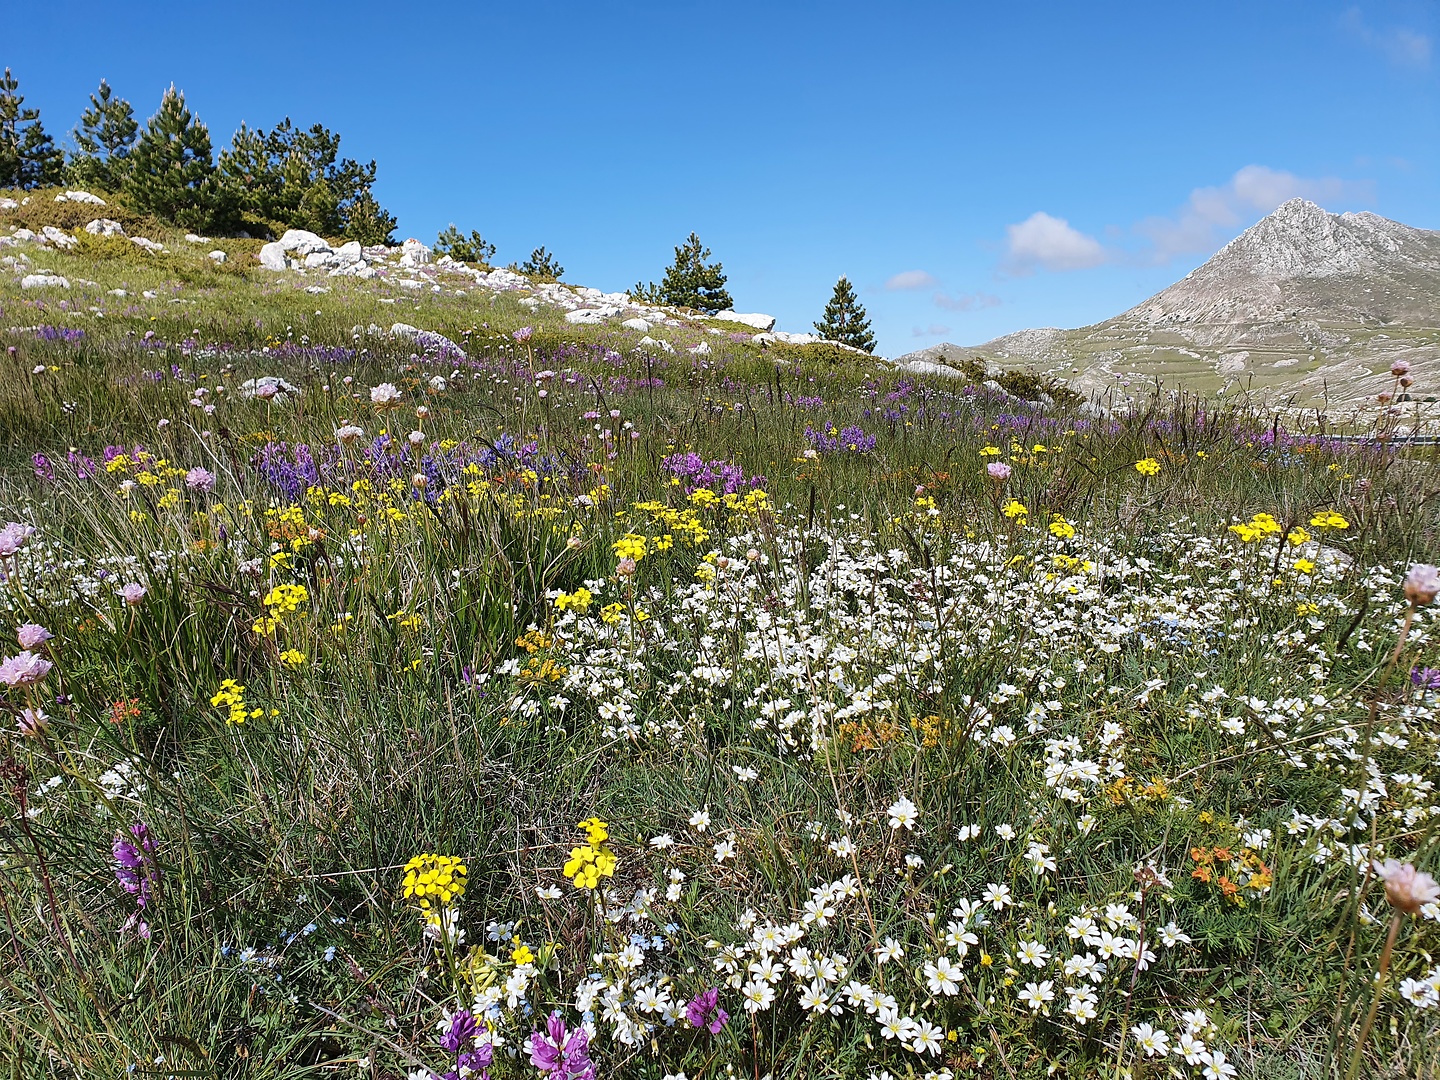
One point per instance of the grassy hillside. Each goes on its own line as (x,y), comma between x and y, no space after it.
(908,732)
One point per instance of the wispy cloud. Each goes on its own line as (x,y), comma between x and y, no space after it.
(1051,243)
(910,279)
(966,301)
(1399,45)
(1210,211)
(933,330)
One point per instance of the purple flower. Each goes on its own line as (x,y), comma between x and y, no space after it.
(1427,678)
(43,468)
(832,440)
(462,1031)
(705,1012)
(564,1054)
(136,872)
(132,593)
(27,669)
(198,479)
(523,334)
(998,470)
(32,634)
(13,537)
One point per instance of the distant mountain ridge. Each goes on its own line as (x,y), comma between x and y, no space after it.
(1304,304)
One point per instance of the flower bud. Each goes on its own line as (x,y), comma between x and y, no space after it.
(1400,367)
(1406,888)
(1422,584)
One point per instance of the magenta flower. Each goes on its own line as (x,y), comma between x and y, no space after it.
(32,722)
(998,470)
(32,634)
(132,593)
(705,1012)
(198,479)
(137,873)
(27,669)
(564,1054)
(523,334)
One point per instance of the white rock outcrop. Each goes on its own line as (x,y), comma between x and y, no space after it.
(105,227)
(43,281)
(415,253)
(80,197)
(59,237)
(756,321)
(217,256)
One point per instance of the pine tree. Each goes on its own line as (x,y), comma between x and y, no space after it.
(845,320)
(542,266)
(105,136)
(172,168)
(294,178)
(369,222)
(28,157)
(690,281)
(474,249)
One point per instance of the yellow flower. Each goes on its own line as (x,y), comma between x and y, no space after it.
(293,657)
(1297,536)
(1015,509)
(1061,529)
(989,451)
(579,600)
(629,546)
(1147,467)
(1329,519)
(434,877)
(523,955)
(1304,566)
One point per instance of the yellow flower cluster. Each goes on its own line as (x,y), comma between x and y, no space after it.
(434,879)
(231,698)
(592,860)
(1257,528)
(1328,519)
(1061,529)
(578,601)
(1147,467)
(1015,510)
(630,546)
(280,601)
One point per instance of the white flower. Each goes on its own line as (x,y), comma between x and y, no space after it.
(664,840)
(1420,994)
(1217,1068)
(1032,952)
(758,995)
(1171,935)
(548,892)
(1082,1004)
(997,896)
(843,847)
(943,977)
(903,814)
(891,950)
(814,998)
(968,832)
(926,1038)
(725,849)
(700,820)
(384,394)
(1005,832)
(1038,995)
(893,1025)
(1154,1041)
(1190,1048)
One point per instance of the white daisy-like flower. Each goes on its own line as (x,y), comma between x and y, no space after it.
(903,814)
(1038,995)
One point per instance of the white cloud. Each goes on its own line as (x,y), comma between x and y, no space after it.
(1210,211)
(933,330)
(910,279)
(966,301)
(1050,242)
(1398,44)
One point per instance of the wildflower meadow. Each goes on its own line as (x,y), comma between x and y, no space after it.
(517,699)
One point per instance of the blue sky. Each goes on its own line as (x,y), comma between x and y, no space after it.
(973,168)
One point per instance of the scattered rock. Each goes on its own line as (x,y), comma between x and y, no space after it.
(117,292)
(302,242)
(59,237)
(270,388)
(414,253)
(105,227)
(80,197)
(428,340)
(217,256)
(9,204)
(929,367)
(194,238)
(637,324)
(763,323)
(23,234)
(145,244)
(43,281)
